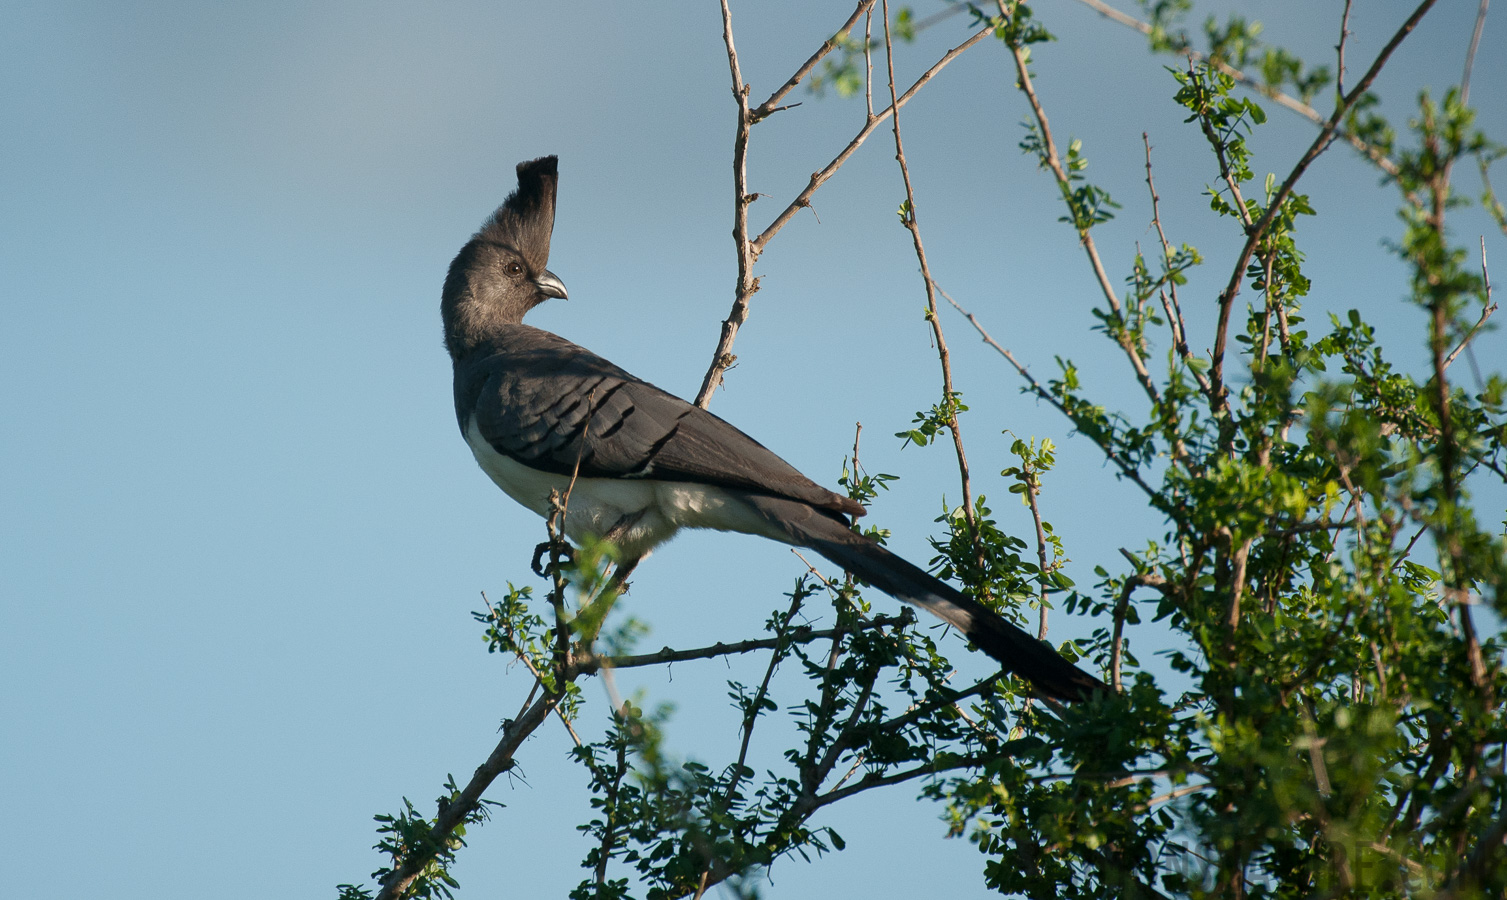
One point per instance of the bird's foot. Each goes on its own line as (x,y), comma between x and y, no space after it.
(558,551)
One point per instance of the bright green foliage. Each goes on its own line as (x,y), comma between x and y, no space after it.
(928,424)
(1341,732)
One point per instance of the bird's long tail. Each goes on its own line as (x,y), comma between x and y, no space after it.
(1032,659)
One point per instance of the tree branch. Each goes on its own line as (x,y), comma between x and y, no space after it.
(764,109)
(1174,309)
(395,885)
(1470,55)
(1319,145)
(803,199)
(1486,310)
(747,284)
(1287,101)
(750,250)
(799,635)
(913,225)
(1125,468)
(1054,162)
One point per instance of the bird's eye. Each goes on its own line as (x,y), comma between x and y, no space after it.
(514,269)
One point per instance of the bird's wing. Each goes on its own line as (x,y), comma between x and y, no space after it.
(557,407)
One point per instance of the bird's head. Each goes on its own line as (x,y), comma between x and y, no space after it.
(500,274)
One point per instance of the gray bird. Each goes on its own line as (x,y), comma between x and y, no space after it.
(537,409)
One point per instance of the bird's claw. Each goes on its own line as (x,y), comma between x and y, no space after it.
(558,551)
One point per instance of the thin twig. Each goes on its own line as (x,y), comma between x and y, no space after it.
(1036,387)
(750,250)
(769,106)
(913,225)
(1339,72)
(1173,309)
(1486,310)
(1064,183)
(803,199)
(534,670)
(1489,200)
(749,719)
(874,779)
(868,62)
(799,635)
(1470,55)
(1183,791)
(1033,487)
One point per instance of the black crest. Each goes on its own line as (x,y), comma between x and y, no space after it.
(527,218)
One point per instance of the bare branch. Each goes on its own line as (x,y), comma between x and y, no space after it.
(750,250)
(1183,791)
(803,199)
(747,284)
(800,635)
(1339,72)
(769,106)
(874,779)
(1173,309)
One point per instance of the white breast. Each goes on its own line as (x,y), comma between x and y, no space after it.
(644,513)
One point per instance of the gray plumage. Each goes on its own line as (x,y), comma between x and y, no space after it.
(537,409)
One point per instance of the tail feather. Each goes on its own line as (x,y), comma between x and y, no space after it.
(1012,647)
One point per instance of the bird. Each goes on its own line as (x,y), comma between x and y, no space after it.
(543,415)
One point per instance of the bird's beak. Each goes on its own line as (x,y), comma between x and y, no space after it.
(550,285)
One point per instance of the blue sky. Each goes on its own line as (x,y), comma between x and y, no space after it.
(242,535)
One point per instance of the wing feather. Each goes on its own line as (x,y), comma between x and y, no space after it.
(555,406)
